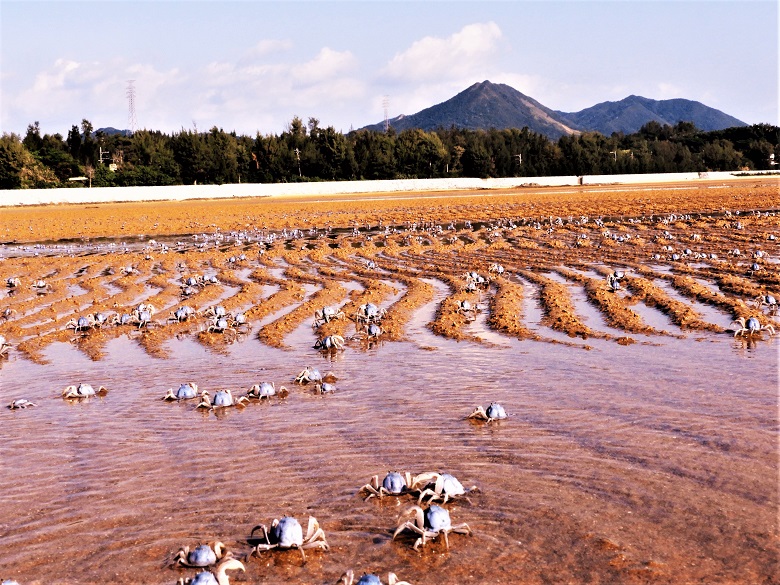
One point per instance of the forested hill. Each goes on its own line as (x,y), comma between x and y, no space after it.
(630,114)
(489,105)
(484,106)
(309,152)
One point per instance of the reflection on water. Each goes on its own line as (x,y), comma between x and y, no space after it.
(643,463)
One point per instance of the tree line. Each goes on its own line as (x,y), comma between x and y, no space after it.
(309,152)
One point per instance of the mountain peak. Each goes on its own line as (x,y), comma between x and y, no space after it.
(485,105)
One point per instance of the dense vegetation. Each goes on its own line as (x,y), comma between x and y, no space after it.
(308,152)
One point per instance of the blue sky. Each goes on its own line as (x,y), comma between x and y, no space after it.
(251,65)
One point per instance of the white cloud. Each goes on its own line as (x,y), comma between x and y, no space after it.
(466,52)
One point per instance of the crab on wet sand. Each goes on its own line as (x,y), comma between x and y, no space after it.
(287,533)
(83,391)
(348,578)
(203,555)
(429,523)
(218,578)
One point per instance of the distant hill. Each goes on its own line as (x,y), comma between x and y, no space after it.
(109,131)
(483,106)
(630,114)
(489,105)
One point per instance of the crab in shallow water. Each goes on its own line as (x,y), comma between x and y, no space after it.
(444,487)
(287,533)
(186,391)
(309,374)
(396,483)
(330,342)
(83,391)
(266,390)
(348,578)
(222,399)
(494,411)
(218,578)
(21,403)
(429,523)
(751,327)
(203,555)
(769,301)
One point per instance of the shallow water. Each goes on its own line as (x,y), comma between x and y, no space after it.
(647,463)
(617,465)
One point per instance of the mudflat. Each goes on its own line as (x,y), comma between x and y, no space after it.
(613,324)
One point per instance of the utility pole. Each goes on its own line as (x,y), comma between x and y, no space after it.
(298,157)
(131,121)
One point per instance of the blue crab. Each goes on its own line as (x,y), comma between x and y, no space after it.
(309,374)
(218,578)
(330,342)
(429,524)
(81,323)
(287,533)
(348,578)
(21,403)
(219,325)
(182,314)
(216,311)
(613,280)
(266,390)
(396,483)
(444,487)
(369,313)
(83,391)
(123,319)
(222,399)
(186,391)
(203,555)
(142,317)
(325,314)
(769,301)
(752,327)
(493,412)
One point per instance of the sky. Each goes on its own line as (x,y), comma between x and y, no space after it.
(250,66)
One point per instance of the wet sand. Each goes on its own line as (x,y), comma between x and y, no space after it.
(641,445)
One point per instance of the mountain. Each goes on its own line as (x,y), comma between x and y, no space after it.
(483,106)
(493,105)
(630,114)
(110,131)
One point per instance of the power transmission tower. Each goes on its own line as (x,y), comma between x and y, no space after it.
(130,93)
(386,106)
